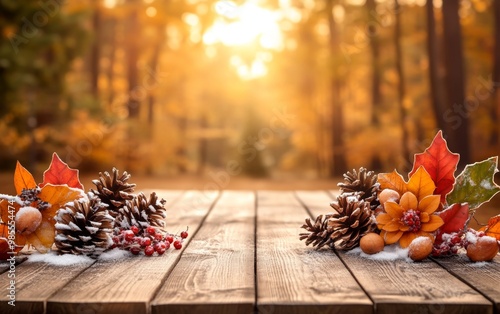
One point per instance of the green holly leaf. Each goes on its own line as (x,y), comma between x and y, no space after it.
(475,184)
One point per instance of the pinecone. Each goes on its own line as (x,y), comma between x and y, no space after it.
(363,183)
(352,220)
(114,191)
(84,227)
(317,233)
(141,212)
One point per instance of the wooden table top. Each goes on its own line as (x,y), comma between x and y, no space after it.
(243,255)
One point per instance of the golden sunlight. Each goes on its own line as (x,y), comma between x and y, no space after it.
(250,25)
(246,25)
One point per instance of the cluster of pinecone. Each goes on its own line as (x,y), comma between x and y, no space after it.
(86,225)
(352,217)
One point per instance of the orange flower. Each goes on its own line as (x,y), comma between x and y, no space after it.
(409,219)
(412,215)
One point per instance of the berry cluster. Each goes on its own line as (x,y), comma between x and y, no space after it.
(149,240)
(411,218)
(449,245)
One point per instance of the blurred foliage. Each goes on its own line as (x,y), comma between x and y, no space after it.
(212,92)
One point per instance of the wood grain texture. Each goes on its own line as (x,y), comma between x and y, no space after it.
(406,287)
(292,278)
(216,272)
(34,284)
(128,285)
(485,276)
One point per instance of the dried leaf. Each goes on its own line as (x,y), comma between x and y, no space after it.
(60,173)
(57,196)
(440,163)
(493,227)
(475,184)
(23,179)
(43,237)
(421,184)
(393,181)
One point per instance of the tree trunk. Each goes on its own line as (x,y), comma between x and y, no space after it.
(455,84)
(132,71)
(401,84)
(495,108)
(95,50)
(153,67)
(202,145)
(110,75)
(434,79)
(338,150)
(375,56)
(376,94)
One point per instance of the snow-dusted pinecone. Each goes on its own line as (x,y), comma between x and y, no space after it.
(141,212)
(114,190)
(84,227)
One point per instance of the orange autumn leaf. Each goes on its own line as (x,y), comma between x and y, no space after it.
(23,179)
(57,196)
(43,237)
(393,181)
(60,173)
(421,183)
(492,229)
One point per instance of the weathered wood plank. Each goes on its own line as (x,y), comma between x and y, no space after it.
(402,287)
(216,272)
(292,278)
(128,285)
(485,277)
(34,284)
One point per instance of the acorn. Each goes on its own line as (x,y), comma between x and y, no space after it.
(28,219)
(420,248)
(371,243)
(388,195)
(483,250)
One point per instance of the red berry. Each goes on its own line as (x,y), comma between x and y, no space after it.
(116,239)
(129,235)
(184,234)
(151,230)
(149,250)
(177,245)
(158,237)
(161,251)
(134,229)
(146,242)
(167,245)
(170,238)
(135,250)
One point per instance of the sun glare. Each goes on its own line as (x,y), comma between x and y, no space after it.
(246,25)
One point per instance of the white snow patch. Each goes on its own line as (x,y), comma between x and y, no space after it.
(60,226)
(488,239)
(60,260)
(114,255)
(390,253)
(479,264)
(471,238)
(486,184)
(419,240)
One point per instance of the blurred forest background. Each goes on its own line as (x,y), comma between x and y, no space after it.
(287,89)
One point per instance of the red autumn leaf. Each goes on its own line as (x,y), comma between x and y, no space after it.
(440,163)
(493,227)
(23,179)
(454,218)
(59,173)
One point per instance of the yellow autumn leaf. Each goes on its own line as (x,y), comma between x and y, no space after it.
(421,184)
